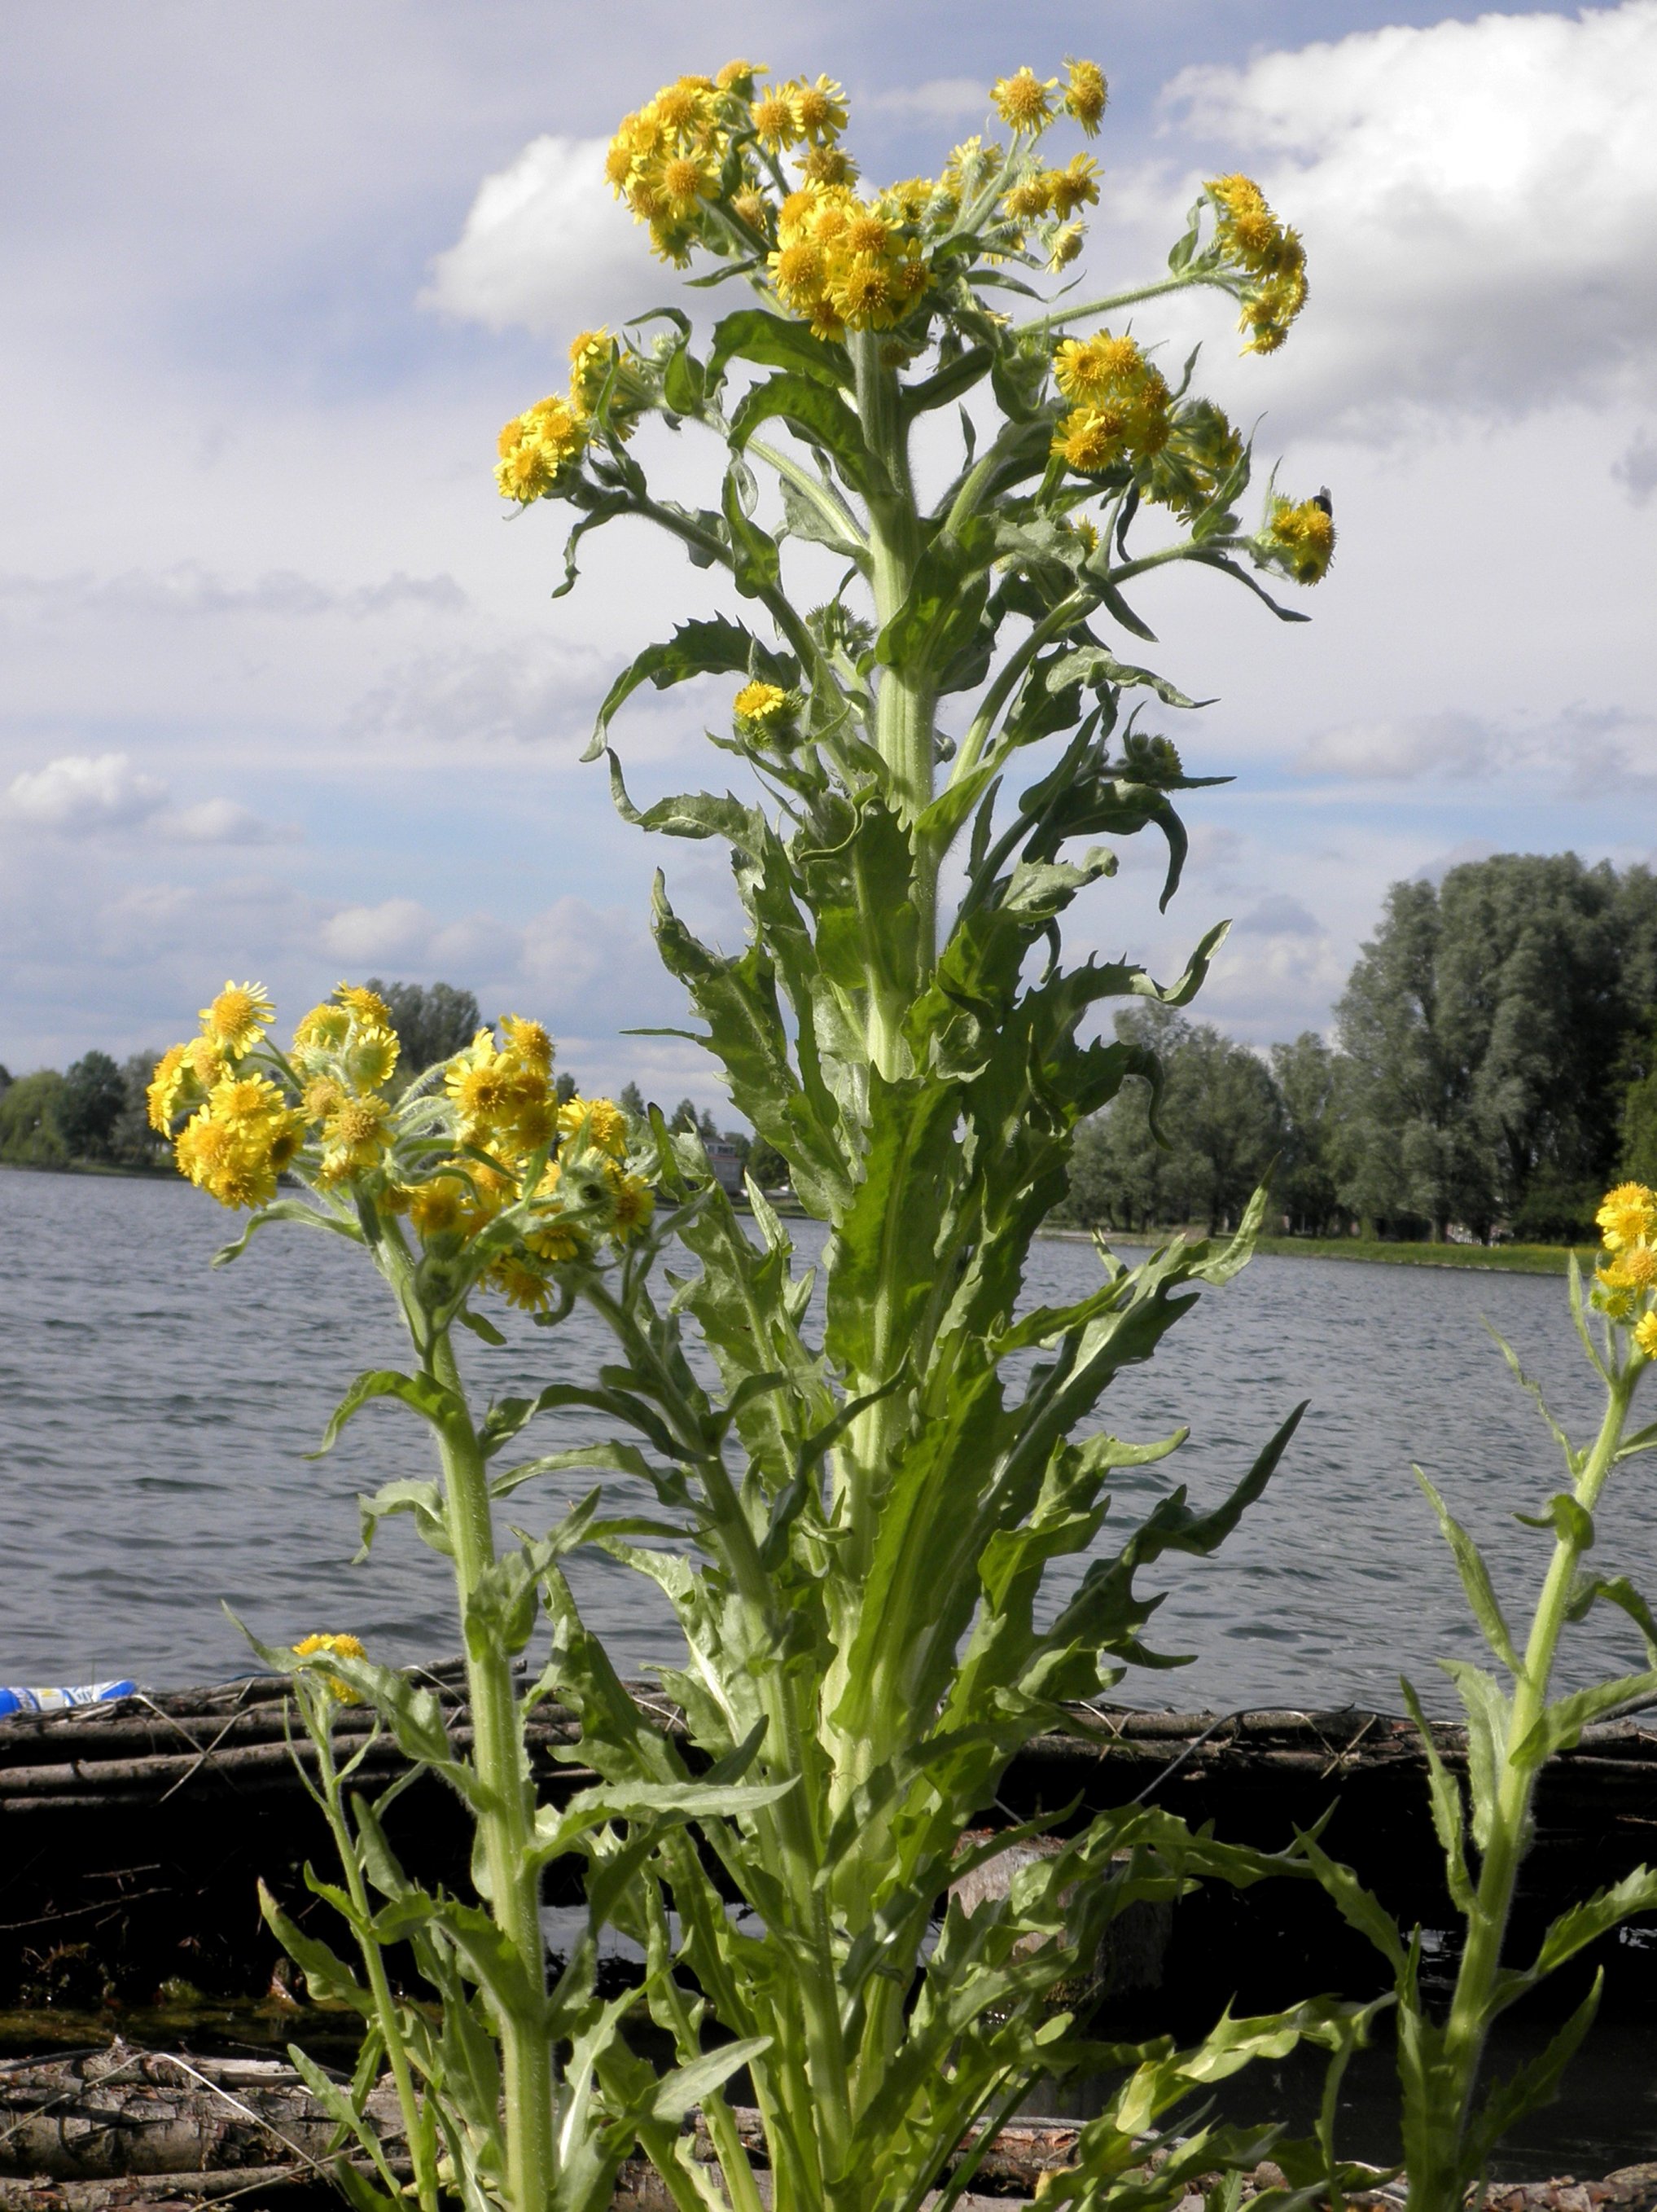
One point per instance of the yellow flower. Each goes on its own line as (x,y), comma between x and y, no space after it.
(1085,93)
(829,164)
(1066,246)
(529,1041)
(1073,187)
(373,1056)
(751,206)
(168,1080)
(760,703)
(521,1285)
(632,1204)
(245,1099)
(345,1647)
(322,1096)
(1634,1269)
(438,1208)
(1023,100)
(225,1162)
(1089,370)
(1628,1215)
(1091,438)
(775,125)
(820,110)
(556,1241)
(1645,1335)
(483,1084)
(738,77)
(355,1136)
(604,1122)
(1301,539)
(536,448)
(237,1017)
(367,1007)
(205,1060)
(323,1029)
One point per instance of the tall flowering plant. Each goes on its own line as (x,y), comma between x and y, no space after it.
(867,1518)
(473,1183)
(1453,2117)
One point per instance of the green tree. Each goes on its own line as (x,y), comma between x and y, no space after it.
(632,1099)
(1306,1076)
(1221,1122)
(89,1105)
(432,1020)
(1532,1015)
(29,1130)
(1638,1118)
(767,1165)
(1404,1144)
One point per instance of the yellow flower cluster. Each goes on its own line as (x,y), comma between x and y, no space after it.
(1628,1222)
(845,264)
(1271,256)
(1027,102)
(1300,538)
(668,159)
(1118,403)
(347,1647)
(539,447)
(450,1158)
(244,1132)
(1202,450)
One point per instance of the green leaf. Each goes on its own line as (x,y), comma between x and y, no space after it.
(1561,1726)
(1570,1521)
(713,648)
(1444,1796)
(428,1398)
(776,342)
(817,520)
(816,413)
(287,1209)
(424,1500)
(1528,2087)
(1617,1590)
(328,1978)
(1488,1713)
(1476,1581)
(1358,1907)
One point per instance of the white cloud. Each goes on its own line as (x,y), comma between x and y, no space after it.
(222,821)
(82,793)
(939,100)
(1448,743)
(189,589)
(363,936)
(547,246)
(1478,201)
(1277,916)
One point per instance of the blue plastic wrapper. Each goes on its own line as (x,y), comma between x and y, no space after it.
(57,1701)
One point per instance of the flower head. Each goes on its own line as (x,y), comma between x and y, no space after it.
(1300,539)
(820,110)
(604,1122)
(1085,93)
(170,1076)
(1023,100)
(344,1647)
(1645,1335)
(1628,1215)
(764,703)
(237,1017)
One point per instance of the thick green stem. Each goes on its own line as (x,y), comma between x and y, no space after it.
(906,700)
(505,1819)
(1471,2010)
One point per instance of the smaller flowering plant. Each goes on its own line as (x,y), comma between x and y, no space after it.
(476,1172)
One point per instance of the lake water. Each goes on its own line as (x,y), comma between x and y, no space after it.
(155,1414)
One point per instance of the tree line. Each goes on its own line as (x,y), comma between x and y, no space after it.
(95,1113)
(1493,1068)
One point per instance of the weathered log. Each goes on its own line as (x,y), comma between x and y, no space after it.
(125,2112)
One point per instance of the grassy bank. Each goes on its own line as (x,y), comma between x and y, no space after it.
(1513,1258)
(1510,1259)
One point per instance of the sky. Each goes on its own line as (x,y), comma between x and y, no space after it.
(283,693)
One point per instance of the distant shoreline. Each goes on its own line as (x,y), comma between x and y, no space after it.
(131,1169)
(1492,1259)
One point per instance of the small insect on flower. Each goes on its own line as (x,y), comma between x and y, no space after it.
(237,1017)
(344,1647)
(1300,539)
